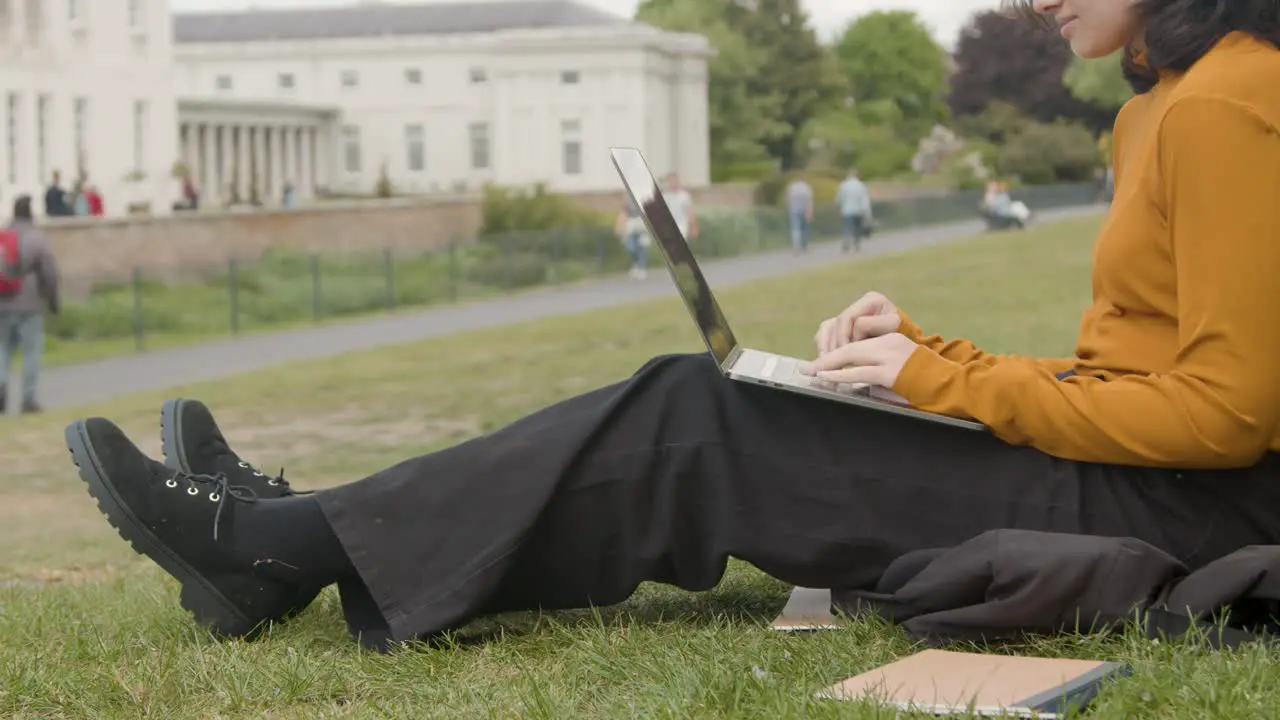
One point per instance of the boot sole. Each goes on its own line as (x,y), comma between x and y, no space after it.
(206,604)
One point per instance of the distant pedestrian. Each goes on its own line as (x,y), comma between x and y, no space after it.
(635,238)
(28,286)
(680,202)
(854,200)
(55,198)
(800,213)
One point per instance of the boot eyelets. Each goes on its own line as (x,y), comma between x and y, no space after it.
(171,483)
(243,464)
(214,497)
(273,482)
(192,491)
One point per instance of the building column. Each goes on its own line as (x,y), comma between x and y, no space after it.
(306,181)
(243,163)
(190,153)
(289,139)
(209,190)
(280,161)
(226,162)
(259,152)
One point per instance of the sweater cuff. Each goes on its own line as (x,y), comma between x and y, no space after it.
(908,328)
(923,376)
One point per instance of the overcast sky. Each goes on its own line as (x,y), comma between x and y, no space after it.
(945,17)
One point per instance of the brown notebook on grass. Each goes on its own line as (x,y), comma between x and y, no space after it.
(941,682)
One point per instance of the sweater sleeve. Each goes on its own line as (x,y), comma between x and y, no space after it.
(965,352)
(1218,404)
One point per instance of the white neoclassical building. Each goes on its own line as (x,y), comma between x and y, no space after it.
(87,86)
(435,97)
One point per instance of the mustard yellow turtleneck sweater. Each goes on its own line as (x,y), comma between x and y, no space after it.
(1179,355)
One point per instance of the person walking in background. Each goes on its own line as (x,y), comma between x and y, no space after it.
(800,213)
(681,204)
(55,198)
(28,285)
(635,238)
(854,200)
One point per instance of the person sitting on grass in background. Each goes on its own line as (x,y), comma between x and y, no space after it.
(1164,427)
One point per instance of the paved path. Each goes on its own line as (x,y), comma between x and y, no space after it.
(71,385)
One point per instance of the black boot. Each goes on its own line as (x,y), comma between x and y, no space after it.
(183,522)
(192,443)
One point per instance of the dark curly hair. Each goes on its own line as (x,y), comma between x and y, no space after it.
(1179,32)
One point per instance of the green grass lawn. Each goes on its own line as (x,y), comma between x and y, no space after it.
(89,630)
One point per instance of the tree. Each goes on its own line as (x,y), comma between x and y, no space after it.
(865,137)
(797,71)
(741,123)
(1050,152)
(891,56)
(1000,59)
(1099,82)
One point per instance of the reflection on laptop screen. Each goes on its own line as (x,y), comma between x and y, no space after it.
(645,193)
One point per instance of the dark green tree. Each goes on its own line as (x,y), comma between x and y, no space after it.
(892,56)
(797,71)
(1003,60)
(742,122)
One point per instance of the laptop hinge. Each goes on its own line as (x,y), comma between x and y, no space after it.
(730,361)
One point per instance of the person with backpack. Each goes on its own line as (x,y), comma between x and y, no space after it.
(28,285)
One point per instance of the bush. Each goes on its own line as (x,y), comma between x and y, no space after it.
(1046,153)
(510,270)
(740,171)
(507,210)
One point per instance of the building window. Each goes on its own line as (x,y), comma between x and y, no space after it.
(42,136)
(35,20)
(478,76)
(350,79)
(570,77)
(12,108)
(351,148)
(479,133)
(415,143)
(137,14)
(80,130)
(413,76)
(286,81)
(223,82)
(139,135)
(571,146)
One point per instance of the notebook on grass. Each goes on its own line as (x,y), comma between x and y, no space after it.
(941,682)
(806,609)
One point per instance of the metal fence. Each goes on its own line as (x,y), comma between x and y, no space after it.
(284,288)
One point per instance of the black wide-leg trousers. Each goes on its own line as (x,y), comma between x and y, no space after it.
(665,476)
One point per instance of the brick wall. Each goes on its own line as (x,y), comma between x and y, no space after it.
(195,245)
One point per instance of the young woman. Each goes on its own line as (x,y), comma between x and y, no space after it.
(1165,426)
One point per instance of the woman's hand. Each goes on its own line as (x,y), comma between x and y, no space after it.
(871,316)
(874,361)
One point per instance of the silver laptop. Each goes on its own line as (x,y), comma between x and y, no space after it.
(737,362)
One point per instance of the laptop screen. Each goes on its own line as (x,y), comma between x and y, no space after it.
(692,286)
